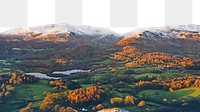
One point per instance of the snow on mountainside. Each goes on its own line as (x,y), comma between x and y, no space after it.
(73,35)
(62,28)
(164,32)
(103,34)
(191,27)
(169,39)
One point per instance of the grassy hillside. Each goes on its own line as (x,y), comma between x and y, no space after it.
(24,94)
(186,94)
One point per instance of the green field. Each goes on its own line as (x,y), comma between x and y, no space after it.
(25,93)
(187,94)
(108,76)
(148,75)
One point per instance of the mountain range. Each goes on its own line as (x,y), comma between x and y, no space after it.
(63,33)
(66,30)
(171,39)
(87,43)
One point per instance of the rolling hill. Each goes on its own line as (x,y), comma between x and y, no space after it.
(180,40)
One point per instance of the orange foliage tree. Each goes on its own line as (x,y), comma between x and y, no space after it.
(134,58)
(129,100)
(172,83)
(51,99)
(29,108)
(90,94)
(58,85)
(61,61)
(141,103)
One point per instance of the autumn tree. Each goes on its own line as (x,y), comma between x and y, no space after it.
(170,89)
(70,109)
(7,93)
(134,58)
(171,84)
(58,85)
(51,100)
(61,61)
(56,108)
(90,94)
(129,100)
(116,101)
(10,88)
(141,103)
(29,108)
(98,107)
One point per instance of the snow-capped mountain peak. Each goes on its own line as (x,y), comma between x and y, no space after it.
(165,32)
(61,28)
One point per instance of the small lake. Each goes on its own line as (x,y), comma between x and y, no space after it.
(67,73)
(41,76)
